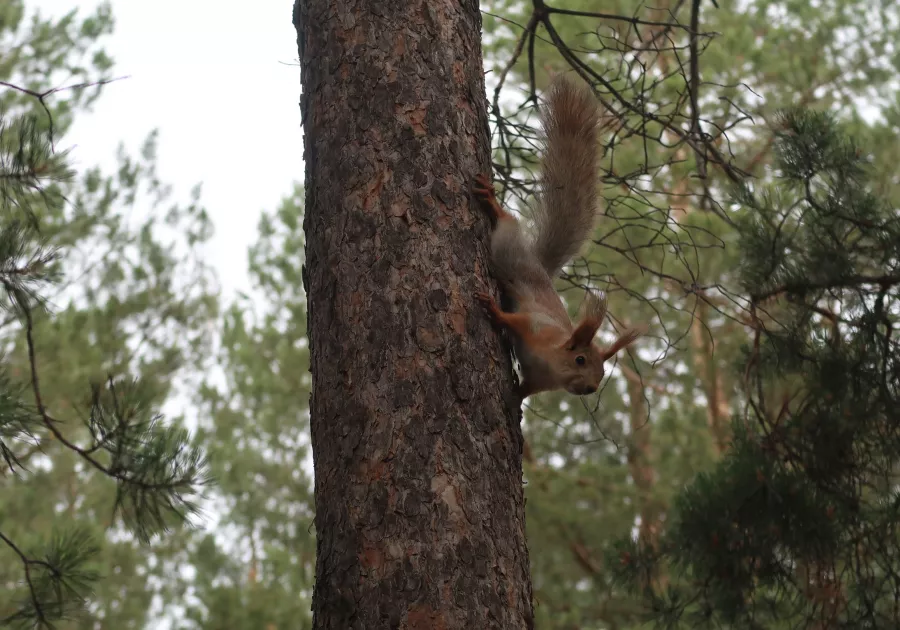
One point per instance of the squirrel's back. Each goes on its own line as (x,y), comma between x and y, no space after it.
(567,199)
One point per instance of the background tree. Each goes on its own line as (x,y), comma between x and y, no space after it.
(415,434)
(797,526)
(260,573)
(612,467)
(117,308)
(609,468)
(594,472)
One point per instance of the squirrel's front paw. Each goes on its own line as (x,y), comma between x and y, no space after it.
(483,188)
(489,305)
(486,300)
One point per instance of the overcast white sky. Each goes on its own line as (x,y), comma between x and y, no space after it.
(220,82)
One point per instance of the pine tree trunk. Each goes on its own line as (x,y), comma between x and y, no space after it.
(415,428)
(709,371)
(640,464)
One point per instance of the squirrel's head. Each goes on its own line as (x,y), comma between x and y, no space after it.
(584,359)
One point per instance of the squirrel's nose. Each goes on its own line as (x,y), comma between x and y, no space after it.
(587,389)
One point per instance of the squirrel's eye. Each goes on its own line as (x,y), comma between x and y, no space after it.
(579,360)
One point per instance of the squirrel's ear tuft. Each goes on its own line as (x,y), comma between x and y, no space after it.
(625,339)
(593,308)
(593,311)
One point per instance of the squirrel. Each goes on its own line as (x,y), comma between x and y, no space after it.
(553,352)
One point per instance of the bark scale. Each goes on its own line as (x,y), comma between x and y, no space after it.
(415,427)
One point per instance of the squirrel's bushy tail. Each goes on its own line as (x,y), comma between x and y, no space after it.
(567,200)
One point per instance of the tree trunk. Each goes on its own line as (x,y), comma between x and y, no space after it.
(415,426)
(709,371)
(640,464)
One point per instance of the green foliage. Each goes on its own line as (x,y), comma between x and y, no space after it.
(57,576)
(29,165)
(23,270)
(670,257)
(824,227)
(132,296)
(798,525)
(153,465)
(18,422)
(261,574)
(98,284)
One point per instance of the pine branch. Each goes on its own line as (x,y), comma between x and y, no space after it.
(18,423)
(852,281)
(155,467)
(29,166)
(25,268)
(58,583)
(774,533)
(150,462)
(42,96)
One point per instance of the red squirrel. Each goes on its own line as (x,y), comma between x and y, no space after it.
(553,352)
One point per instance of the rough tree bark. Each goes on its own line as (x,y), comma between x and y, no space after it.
(415,426)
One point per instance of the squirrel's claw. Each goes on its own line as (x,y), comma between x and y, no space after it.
(484,181)
(486,300)
(489,305)
(483,188)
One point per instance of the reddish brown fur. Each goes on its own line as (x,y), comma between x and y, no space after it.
(553,353)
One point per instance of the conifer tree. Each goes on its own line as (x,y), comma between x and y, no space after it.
(261,574)
(153,465)
(797,526)
(580,460)
(417,449)
(613,465)
(95,323)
